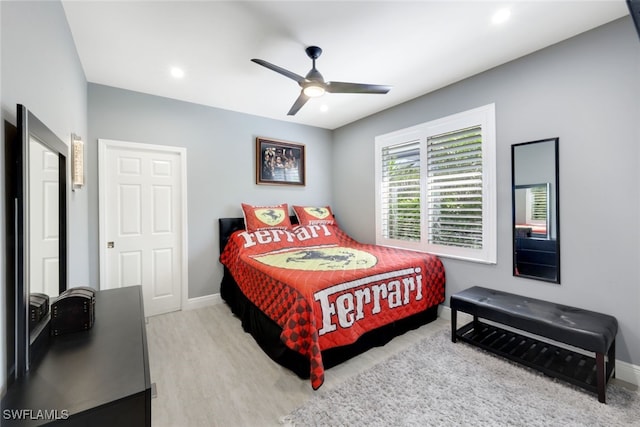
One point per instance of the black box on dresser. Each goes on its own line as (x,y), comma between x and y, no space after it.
(73,311)
(38,308)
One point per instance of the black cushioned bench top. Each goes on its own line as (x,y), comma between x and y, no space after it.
(585,329)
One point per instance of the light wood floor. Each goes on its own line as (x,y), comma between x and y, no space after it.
(209,372)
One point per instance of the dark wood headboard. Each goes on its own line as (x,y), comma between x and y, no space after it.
(229,225)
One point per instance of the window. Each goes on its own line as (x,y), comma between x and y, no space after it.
(537,204)
(435,186)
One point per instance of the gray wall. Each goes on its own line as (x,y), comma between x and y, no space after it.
(585,91)
(220,160)
(41,70)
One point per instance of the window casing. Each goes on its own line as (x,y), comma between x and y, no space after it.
(435,186)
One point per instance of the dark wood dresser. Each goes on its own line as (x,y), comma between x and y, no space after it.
(98,377)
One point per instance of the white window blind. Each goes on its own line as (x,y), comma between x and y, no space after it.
(537,204)
(455,188)
(435,186)
(400,192)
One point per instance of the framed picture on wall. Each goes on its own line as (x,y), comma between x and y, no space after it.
(279,162)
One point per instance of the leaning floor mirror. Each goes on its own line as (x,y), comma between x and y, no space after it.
(535,210)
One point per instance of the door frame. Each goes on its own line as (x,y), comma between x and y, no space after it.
(103,146)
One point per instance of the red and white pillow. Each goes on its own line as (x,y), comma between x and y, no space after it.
(275,217)
(314,215)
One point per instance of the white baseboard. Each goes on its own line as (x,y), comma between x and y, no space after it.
(204,301)
(628,372)
(625,371)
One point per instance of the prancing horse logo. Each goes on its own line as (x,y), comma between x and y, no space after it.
(320,213)
(320,259)
(270,216)
(343,258)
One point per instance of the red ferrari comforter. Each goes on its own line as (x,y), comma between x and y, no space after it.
(325,289)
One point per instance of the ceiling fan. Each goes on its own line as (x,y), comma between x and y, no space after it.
(313,84)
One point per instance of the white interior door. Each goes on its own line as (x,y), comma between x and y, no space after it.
(143,221)
(43,219)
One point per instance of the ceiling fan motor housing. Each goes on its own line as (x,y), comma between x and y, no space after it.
(313,52)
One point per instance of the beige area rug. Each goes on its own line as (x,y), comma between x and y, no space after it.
(439,383)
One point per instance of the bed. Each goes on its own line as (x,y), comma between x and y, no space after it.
(313,297)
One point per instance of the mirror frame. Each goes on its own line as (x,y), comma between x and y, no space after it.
(30,344)
(554,209)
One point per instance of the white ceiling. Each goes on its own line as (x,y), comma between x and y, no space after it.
(414,46)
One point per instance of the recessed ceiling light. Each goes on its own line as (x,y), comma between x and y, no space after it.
(176,72)
(501,16)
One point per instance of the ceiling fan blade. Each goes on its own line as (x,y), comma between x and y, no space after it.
(302,99)
(280,70)
(343,87)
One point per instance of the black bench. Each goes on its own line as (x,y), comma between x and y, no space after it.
(581,329)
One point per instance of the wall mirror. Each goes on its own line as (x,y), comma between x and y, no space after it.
(535,210)
(36,181)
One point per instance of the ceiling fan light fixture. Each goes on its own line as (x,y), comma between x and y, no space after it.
(313,91)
